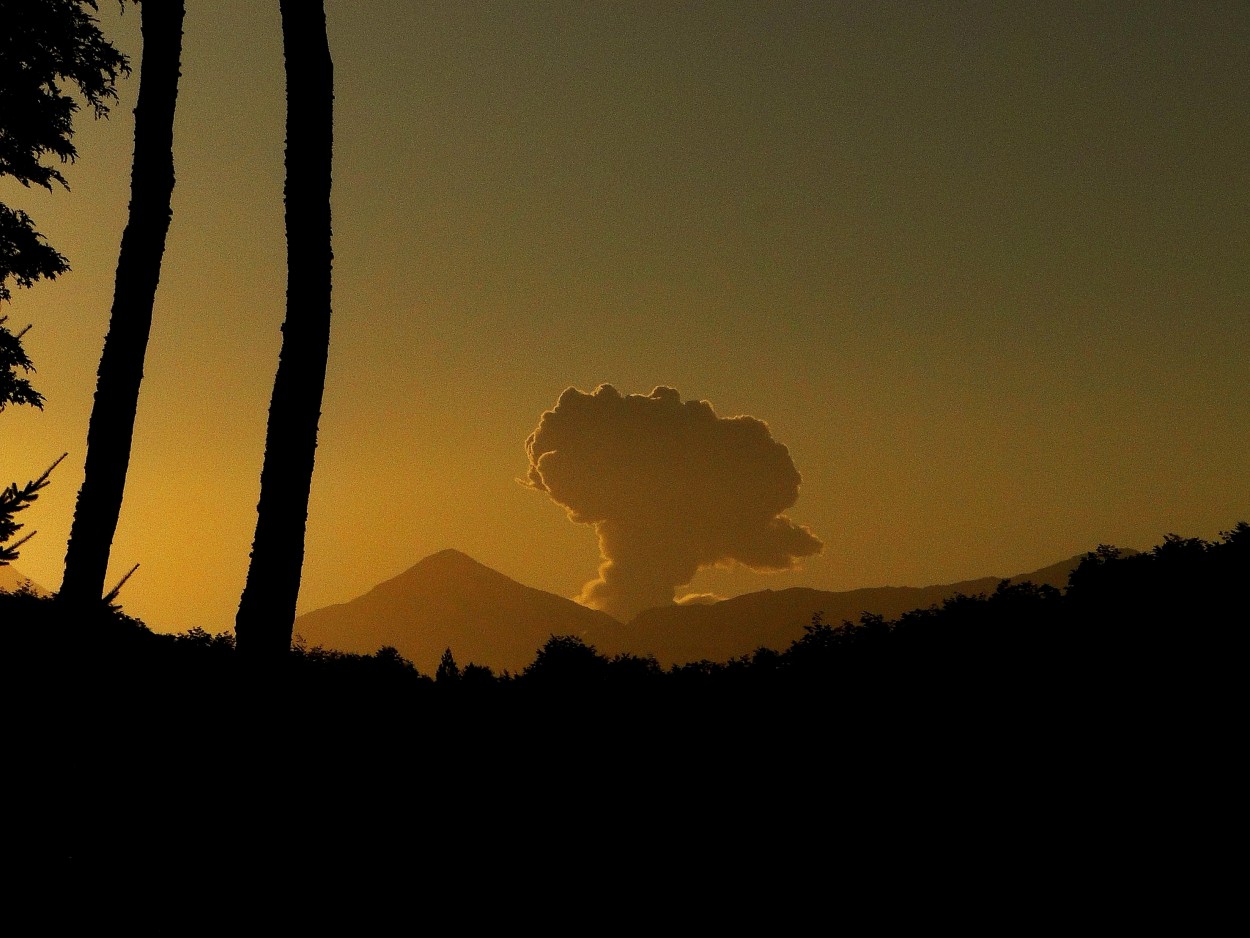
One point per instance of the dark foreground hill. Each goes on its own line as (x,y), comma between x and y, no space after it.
(1098,723)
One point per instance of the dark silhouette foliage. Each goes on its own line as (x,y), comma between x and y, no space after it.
(566,661)
(1024,714)
(448,671)
(44,43)
(15,499)
(14,365)
(47,47)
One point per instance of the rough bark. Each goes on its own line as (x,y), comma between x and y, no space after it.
(266,613)
(111,428)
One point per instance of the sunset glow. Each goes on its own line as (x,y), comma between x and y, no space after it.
(981,272)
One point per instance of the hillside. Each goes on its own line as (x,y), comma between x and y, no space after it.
(11,579)
(449,600)
(773,619)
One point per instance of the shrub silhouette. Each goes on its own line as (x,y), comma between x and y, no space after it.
(985,706)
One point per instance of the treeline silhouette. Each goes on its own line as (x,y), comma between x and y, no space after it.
(1179,601)
(1010,692)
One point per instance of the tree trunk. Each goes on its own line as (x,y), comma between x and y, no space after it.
(111,429)
(266,613)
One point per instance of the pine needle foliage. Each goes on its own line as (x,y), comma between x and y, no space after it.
(12,500)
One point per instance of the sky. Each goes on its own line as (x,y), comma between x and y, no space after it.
(980,268)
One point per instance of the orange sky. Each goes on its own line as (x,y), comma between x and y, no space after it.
(981,267)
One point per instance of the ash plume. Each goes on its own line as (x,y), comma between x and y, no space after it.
(669,487)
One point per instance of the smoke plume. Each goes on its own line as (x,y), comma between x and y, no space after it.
(670,488)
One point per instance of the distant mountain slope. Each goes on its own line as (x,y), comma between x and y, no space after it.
(773,619)
(11,579)
(449,600)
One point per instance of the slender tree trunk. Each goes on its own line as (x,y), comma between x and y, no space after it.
(267,608)
(120,373)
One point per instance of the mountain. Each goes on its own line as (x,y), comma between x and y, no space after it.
(449,600)
(719,631)
(12,579)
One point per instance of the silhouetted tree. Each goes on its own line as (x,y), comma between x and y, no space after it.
(15,499)
(111,428)
(448,671)
(477,676)
(566,661)
(636,672)
(43,45)
(266,613)
(14,388)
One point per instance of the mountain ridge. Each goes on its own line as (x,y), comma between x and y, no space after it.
(449,600)
(12,579)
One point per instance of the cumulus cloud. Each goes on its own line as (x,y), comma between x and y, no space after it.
(669,487)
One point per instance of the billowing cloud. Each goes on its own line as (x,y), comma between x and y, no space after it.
(669,487)
(698,599)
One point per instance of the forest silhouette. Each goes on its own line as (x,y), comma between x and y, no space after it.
(1009,692)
